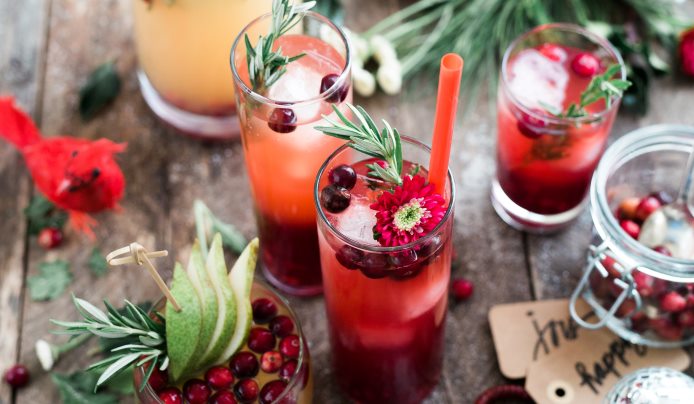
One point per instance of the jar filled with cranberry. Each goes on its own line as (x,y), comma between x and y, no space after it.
(642,292)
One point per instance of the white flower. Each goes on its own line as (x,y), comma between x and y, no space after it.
(330,36)
(389,76)
(360,47)
(45,353)
(364,82)
(383,50)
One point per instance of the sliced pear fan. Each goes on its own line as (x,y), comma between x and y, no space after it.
(241,277)
(183,326)
(226,303)
(197,273)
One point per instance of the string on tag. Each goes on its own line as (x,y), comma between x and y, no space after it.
(135,253)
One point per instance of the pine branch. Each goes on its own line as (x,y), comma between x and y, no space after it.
(266,66)
(366,138)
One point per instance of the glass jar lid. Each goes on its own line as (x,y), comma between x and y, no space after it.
(652,386)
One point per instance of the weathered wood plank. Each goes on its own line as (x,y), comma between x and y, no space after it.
(84,34)
(22,31)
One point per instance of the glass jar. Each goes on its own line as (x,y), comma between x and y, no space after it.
(629,286)
(299,388)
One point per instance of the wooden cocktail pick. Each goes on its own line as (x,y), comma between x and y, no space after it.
(135,253)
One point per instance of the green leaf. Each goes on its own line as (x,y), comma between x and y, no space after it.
(51,281)
(97,263)
(78,388)
(102,87)
(42,213)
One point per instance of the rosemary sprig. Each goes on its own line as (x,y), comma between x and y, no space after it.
(366,138)
(266,66)
(136,337)
(600,87)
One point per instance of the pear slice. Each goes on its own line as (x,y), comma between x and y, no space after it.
(226,303)
(208,299)
(183,326)
(241,277)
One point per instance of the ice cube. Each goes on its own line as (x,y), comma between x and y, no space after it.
(537,80)
(357,221)
(299,83)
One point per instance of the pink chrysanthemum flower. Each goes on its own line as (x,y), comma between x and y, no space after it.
(411,211)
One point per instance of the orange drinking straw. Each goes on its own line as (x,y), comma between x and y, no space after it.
(446,106)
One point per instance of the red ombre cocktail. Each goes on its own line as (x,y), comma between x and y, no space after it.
(283,151)
(386,306)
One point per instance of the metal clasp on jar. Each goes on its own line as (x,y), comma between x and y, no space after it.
(596,257)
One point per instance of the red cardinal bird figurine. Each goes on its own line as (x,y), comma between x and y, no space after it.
(77,175)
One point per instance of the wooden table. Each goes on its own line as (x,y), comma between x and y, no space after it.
(48,47)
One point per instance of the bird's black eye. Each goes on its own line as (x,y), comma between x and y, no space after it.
(96,172)
(74,153)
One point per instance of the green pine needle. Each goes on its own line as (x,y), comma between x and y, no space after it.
(366,138)
(266,66)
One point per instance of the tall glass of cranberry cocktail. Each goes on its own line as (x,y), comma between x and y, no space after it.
(386,305)
(548,148)
(282,149)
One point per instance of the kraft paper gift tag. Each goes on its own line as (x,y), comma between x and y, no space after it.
(584,372)
(526,332)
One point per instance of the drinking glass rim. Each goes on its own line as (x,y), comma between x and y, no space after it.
(342,78)
(569,28)
(624,149)
(303,346)
(379,249)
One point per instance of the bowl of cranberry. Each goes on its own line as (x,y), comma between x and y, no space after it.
(273,366)
(641,291)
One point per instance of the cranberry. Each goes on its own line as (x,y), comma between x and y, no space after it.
(627,308)
(644,283)
(690,301)
(282,120)
(374,272)
(662,250)
(531,126)
(349,257)
(260,340)
(244,364)
(663,197)
(375,261)
(327,83)
(631,228)
(686,319)
(585,64)
(158,379)
(171,395)
(407,272)
(611,267)
(281,326)
(666,329)
(627,208)
(639,322)
(288,369)
(646,207)
(334,198)
(50,237)
(403,258)
(223,397)
(17,376)
(270,361)
(551,51)
(290,346)
(219,377)
(196,391)
(462,289)
(343,176)
(272,391)
(673,302)
(246,390)
(264,310)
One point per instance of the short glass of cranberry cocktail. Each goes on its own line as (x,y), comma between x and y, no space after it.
(282,149)
(560,88)
(386,257)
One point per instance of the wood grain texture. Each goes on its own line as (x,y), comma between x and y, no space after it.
(84,34)
(21,44)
